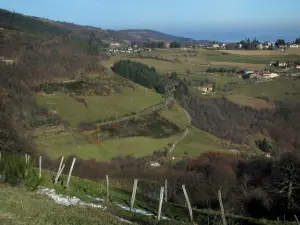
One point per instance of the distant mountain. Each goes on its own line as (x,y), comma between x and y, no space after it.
(20,22)
(150,35)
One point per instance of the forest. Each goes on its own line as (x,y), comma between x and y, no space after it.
(140,73)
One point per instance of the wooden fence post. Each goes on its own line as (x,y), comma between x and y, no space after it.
(133,194)
(107,188)
(188,202)
(40,166)
(297,221)
(222,207)
(70,172)
(166,190)
(59,173)
(59,168)
(160,202)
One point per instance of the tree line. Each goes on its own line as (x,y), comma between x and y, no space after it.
(140,73)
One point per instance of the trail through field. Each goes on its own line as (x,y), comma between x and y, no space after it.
(185,133)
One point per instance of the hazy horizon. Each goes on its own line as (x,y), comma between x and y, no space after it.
(218,20)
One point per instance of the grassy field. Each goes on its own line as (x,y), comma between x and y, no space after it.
(182,61)
(197,141)
(244,66)
(250,101)
(99,107)
(69,143)
(20,206)
(282,88)
(176,115)
(220,79)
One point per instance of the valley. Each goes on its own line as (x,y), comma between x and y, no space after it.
(215,120)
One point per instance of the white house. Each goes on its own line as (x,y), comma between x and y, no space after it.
(116,44)
(155,164)
(260,46)
(298,66)
(282,64)
(206,88)
(294,46)
(215,45)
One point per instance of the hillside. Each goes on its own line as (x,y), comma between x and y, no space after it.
(167,117)
(151,35)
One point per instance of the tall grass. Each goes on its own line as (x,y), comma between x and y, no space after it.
(15,171)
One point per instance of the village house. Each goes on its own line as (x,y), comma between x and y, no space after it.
(294,46)
(269,75)
(260,46)
(115,44)
(207,88)
(282,64)
(215,45)
(298,66)
(155,164)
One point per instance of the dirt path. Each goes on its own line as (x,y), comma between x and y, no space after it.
(184,134)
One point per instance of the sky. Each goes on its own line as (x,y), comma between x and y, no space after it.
(222,20)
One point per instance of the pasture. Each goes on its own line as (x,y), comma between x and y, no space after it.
(187,61)
(282,89)
(99,107)
(71,143)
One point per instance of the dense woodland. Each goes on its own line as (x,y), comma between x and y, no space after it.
(140,73)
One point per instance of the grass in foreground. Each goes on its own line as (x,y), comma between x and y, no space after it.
(19,206)
(99,107)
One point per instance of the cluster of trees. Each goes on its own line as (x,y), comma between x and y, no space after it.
(175,44)
(225,70)
(140,73)
(249,45)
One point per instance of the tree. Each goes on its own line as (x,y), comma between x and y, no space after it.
(264,145)
(280,42)
(175,45)
(297,41)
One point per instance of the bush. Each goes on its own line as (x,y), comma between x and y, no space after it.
(17,172)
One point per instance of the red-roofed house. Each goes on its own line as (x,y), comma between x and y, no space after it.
(206,88)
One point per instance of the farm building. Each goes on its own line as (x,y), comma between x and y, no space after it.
(294,46)
(206,88)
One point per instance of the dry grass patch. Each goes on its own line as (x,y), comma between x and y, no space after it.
(250,102)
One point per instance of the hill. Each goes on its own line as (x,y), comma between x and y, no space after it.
(150,35)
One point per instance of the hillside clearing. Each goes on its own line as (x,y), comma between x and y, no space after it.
(282,88)
(76,144)
(249,101)
(99,107)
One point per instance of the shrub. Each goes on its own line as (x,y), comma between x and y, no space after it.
(17,172)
